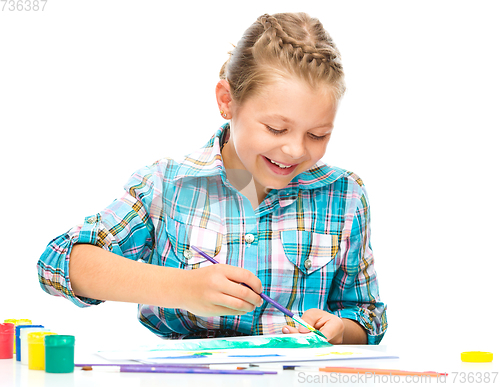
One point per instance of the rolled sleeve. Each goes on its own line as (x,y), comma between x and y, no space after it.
(355,291)
(123,228)
(53,268)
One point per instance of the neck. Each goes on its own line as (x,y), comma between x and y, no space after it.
(241,179)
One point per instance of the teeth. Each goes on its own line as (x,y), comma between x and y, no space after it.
(280,165)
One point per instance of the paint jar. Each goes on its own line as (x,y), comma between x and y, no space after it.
(14,321)
(23,347)
(59,354)
(36,350)
(6,340)
(18,338)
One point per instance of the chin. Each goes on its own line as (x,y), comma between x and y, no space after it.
(278,185)
(274,183)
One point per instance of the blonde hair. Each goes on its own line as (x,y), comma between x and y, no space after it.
(283,45)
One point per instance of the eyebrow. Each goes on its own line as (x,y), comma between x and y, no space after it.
(289,121)
(282,118)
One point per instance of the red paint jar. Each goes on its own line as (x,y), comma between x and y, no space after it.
(6,340)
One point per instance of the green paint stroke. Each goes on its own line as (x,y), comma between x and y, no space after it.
(309,341)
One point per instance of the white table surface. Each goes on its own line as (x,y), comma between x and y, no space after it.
(412,357)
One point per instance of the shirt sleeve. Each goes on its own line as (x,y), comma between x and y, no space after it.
(355,292)
(124,228)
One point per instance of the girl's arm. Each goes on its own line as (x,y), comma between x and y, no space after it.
(104,259)
(102,275)
(337,330)
(355,293)
(354,312)
(354,333)
(210,291)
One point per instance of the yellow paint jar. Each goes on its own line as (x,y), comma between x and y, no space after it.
(477,357)
(36,350)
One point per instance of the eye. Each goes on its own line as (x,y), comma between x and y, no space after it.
(275,131)
(317,138)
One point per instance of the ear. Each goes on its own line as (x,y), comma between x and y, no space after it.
(224,98)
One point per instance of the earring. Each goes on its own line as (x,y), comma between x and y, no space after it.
(223,114)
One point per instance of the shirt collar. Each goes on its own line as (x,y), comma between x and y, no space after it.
(319,175)
(207,161)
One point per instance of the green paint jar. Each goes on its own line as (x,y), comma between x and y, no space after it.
(59,354)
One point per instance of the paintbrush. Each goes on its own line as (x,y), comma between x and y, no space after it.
(294,317)
(175,369)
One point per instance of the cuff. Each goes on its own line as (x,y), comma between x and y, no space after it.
(374,331)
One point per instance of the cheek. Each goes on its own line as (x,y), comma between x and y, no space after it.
(318,151)
(247,154)
(251,147)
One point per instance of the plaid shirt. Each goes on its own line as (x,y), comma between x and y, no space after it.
(309,243)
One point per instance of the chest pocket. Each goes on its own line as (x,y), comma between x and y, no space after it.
(182,237)
(309,251)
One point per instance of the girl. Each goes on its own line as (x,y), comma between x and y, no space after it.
(257,197)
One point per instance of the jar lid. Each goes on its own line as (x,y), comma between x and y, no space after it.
(16,321)
(22,326)
(477,357)
(7,328)
(37,337)
(23,330)
(57,340)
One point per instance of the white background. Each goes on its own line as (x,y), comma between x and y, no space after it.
(92,90)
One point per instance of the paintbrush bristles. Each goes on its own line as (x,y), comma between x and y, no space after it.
(310,327)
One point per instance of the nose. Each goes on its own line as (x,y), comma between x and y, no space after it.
(294,148)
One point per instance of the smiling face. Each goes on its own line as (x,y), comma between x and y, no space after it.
(279,133)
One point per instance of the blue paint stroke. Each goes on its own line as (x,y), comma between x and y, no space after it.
(253,355)
(282,341)
(195,356)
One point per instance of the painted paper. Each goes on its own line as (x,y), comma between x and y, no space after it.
(242,349)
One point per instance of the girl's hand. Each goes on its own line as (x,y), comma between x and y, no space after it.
(328,324)
(216,290)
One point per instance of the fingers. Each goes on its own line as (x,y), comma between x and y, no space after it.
(237,305)
(245,276)
(216,310)
(333,329)
(313,316)
(238,277)
(213,302)
(290,329)
(299,329)
(216,290)
(330,325)
(243,293)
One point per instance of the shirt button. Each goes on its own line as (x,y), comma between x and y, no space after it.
(249,238)
(188,254)
(92,219)
(308,264)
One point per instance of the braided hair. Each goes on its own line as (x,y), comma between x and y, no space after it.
(283,45)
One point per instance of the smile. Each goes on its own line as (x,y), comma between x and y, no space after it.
(279,168)
(279,164)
